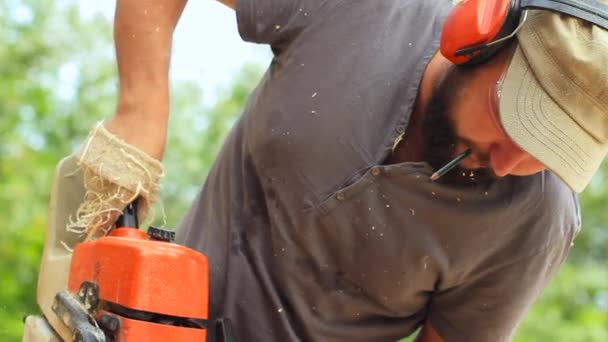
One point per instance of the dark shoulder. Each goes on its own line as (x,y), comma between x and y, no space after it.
(552,211)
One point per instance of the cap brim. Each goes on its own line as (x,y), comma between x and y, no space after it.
(540,127)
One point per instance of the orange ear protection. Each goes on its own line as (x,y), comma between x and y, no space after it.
(476,29)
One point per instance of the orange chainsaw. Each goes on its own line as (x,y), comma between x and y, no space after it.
(129,286)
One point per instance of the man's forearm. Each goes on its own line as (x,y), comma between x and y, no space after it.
(143,31)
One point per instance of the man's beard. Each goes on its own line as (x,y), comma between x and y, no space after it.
(440,137)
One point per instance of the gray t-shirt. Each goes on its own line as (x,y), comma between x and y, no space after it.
(311,238)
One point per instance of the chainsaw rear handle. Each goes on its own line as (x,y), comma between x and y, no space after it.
(128,217)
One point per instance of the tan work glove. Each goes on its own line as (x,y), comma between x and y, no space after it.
(115,174)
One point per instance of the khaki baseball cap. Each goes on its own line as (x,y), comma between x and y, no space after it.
(554,97)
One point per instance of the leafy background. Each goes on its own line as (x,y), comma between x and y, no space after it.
(57,77)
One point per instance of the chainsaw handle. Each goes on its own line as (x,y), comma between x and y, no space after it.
(128,217)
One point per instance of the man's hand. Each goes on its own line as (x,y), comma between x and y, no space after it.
(121,157)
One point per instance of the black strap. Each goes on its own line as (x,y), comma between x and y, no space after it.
(153,317)
(592,11)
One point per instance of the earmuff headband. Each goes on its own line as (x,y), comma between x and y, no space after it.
(469,51)
(592,11)
(589,10)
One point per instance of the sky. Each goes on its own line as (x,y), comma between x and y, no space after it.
(207,47)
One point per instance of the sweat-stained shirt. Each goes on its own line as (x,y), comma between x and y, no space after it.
(310,237)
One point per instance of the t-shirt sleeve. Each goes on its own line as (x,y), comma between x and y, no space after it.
(489,305)
(275,22)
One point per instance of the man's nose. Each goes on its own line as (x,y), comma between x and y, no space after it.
(505,157)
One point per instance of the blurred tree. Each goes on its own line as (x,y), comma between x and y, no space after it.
(592,243)
(58,78)
(574,308)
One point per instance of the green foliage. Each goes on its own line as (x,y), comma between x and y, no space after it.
(592,243)
(41,119)
(573,308)
(58,78)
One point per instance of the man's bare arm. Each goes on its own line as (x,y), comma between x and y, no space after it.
(143,32)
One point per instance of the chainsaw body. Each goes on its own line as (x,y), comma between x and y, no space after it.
(125,287)
(138,288)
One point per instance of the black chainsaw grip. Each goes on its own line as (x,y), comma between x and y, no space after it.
(128,217)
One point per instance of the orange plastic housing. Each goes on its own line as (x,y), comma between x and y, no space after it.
(141,274)
(472,22)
